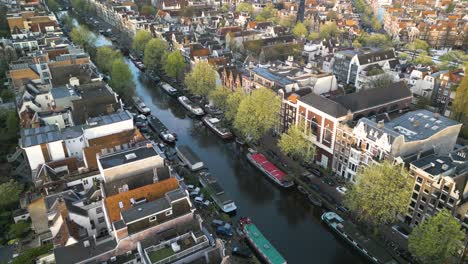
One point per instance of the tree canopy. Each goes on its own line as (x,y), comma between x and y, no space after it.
(299,30)
(148,10)
(19,230)
(424,59)
(122,79)
(295,143)
(328,30)
(174,64)
(245,7)
(219,97)
(257,113)
(437,239)
(382,192)
(83,37)
(9,194)
(460,103)
(267,13)
(142,37)
(105,57)
(375,40)
(154,52)
(232,104)
(202,79)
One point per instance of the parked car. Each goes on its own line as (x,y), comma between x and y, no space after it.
(140,124)
(225,230)
(342,209)
(190,187)
(316,172)
(217,222)
(342,189)
(402,231)
(329,181)
(314,187)
(195,192)
(328,198)
(242,251)
(305,177)
(201,201)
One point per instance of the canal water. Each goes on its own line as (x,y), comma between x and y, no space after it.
(285,217)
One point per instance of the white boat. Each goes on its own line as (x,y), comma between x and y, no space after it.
(269,169)
(215,124)
(168,88)
(189,105)
(222,200)
(140,106)
(189,158)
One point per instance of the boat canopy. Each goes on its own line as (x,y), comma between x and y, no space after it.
(268,166)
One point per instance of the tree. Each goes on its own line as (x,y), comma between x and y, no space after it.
(288,21)
(357,44)
(9,193)
(423,102)
(148,10)
(328,30)
(376,40)
(381,81)
(460,102)
(450,7)
(454,56)
(53,5)
(295,143)
(437,239)
(313,36)
(245,7)
(7,95)
(122,79)
(232,104)
(188,11)
(154,52)
(105,57)
(30,255)
(424,59)
(417,45)
(257,113)
(332,15)
(267,13)
(142,37)
(19,230)
(300,31)
(4,29)
(376,26)
(67,21)
(83,37)
(174,64)
(219,97)
(202,79)
(382,192)
(12,123)
(403,56)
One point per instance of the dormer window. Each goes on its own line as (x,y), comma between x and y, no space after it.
(168,213)
(152,218)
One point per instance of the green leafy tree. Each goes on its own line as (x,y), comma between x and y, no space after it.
(403,56)
(105,57)
(188,11)
(175,64)
(376,40)
(154,52)
(437,239)
(12,123)
(376,26)
(299,30)
(257,113)
(232,104)
(417,45)
(450,7)
(267,13)
(4,29)
(381,193)
(19,230)
(29,256)
(245,7)
(7,95)
(83,37)
(332,15)
(460,102)
(202,79)
(313,36)
(148,10)
(122,79)
(67,21)
(454,56)
(356,44)
(288,21)
(9,193)
(142,37)
(424,59)
(219,97)
(295,143)
(328,30)
(53,5)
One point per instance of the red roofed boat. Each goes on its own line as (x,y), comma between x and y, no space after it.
(269,169)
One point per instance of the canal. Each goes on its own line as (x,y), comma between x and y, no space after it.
(285,217)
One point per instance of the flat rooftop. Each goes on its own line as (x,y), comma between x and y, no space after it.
(39,135)
(127,156)
(108,119)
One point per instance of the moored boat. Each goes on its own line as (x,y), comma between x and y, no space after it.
(189,158)
(161,130)
(259,243)
(189,105)
(222,200)
(315,200)
(216,125)
(269,169)
(365,245)
(168,89)
(140,106)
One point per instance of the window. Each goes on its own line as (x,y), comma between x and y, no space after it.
(85,182)
(426,191)
(101,220)
(168,213)
(451,201)
(314,127)
(417,187)
(415,196)
(423,199)
(421,207)
(152,218)
(327,136)
(412,204)
(98,210)
(419,179)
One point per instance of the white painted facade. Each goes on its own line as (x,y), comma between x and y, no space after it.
(109,129)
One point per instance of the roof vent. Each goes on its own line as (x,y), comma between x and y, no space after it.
(86,243)
(130,156)
(140,209)
(121,205)
(445,167)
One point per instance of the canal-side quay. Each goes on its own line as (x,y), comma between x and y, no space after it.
(285,217)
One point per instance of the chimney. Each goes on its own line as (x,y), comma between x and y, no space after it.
(380,124)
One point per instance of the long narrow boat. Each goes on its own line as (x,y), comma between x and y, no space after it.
(217,193)
(269,169)
(140,106)
(366,246)
(215,124)
(189,105)
(161,129)
(259,243)
(168,89)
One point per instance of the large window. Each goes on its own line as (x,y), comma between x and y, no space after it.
(314,126)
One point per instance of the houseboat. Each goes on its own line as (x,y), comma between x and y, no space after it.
(315,200)
(140,65)
(132,58)
(222,200)
(189,105)
(189,158)
(269,169)
(365,245)
(140,106)
(161,130)
(168,89)
(216,125)
(259,243)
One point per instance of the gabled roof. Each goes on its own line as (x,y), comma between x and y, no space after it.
(324,104)
(149,192)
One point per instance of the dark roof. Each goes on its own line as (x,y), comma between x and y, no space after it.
(163,173)
(39,135)
(133,181)
(145,210)
(324,104)
(79,252)
(376,56)
(127,156)
(369,98)
(61,75)
(68,195)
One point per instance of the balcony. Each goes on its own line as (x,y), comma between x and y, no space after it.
(177,248)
